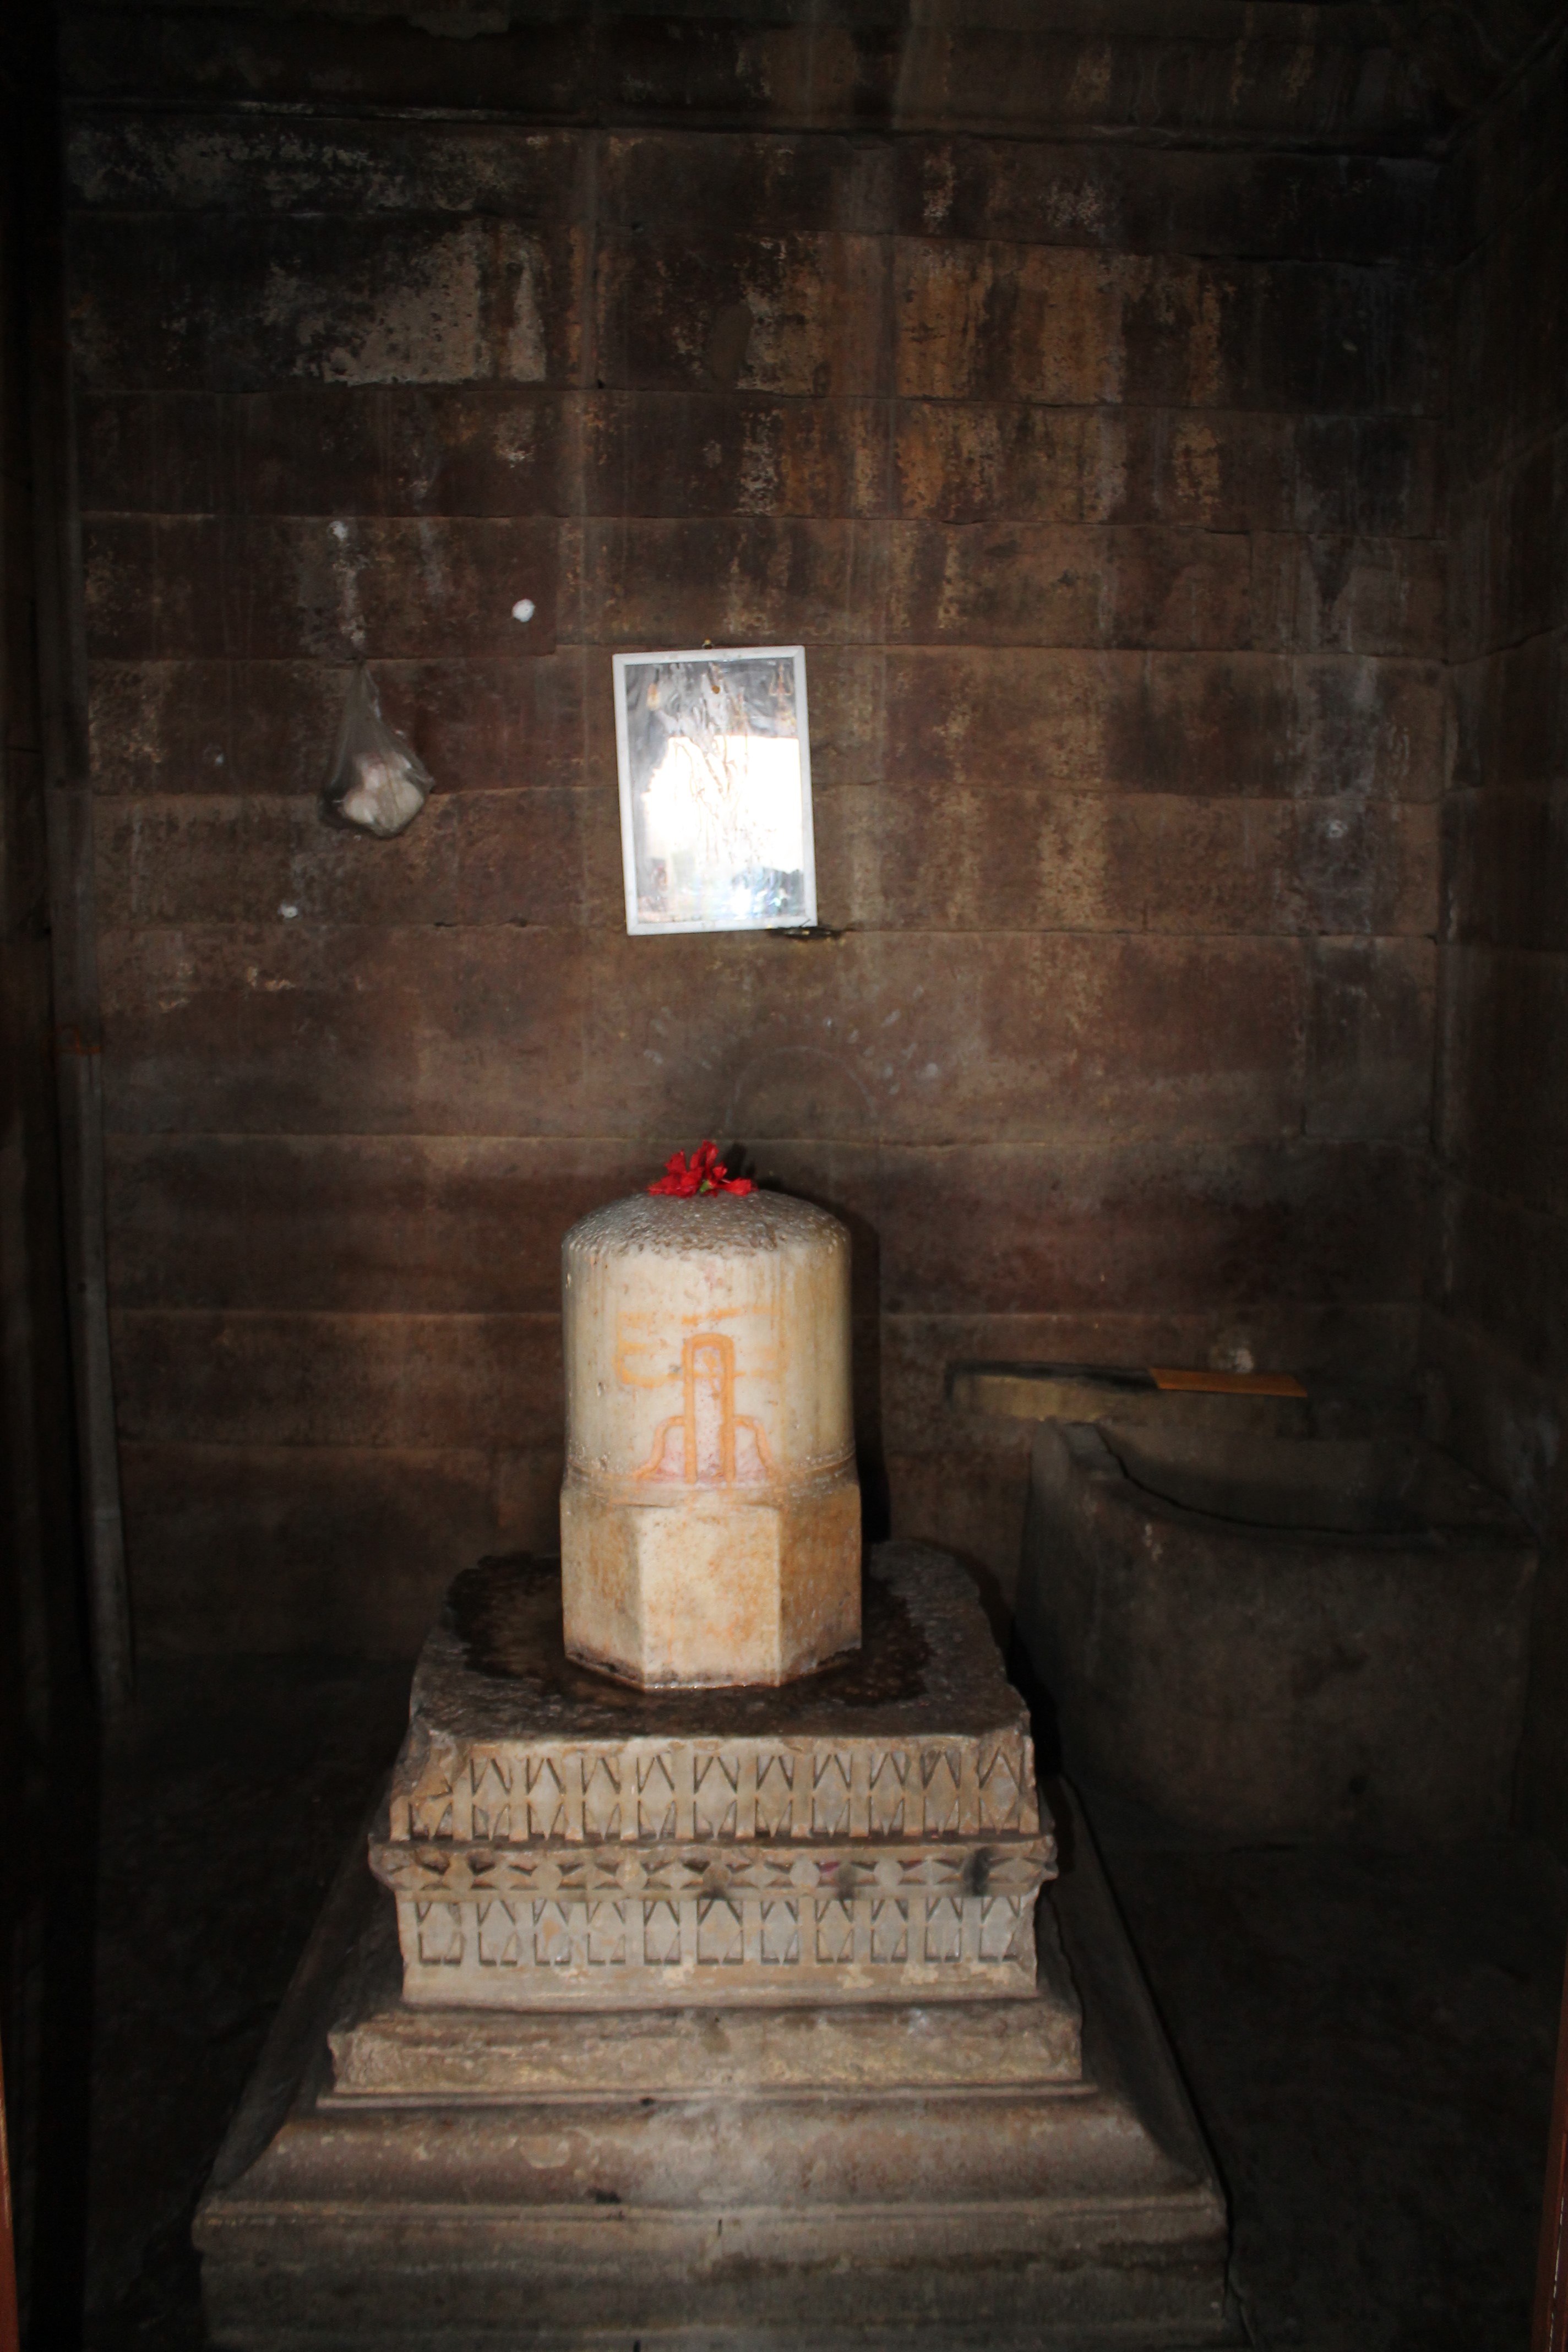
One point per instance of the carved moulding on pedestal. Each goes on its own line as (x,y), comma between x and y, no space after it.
(882,1840)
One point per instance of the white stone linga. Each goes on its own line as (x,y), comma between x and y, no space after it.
(710,1515)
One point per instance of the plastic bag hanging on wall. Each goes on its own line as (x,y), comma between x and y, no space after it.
(378,783)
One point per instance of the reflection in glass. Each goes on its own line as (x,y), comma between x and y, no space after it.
(715,790)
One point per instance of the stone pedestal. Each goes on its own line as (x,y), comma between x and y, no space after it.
(869,1834)
(716,2023)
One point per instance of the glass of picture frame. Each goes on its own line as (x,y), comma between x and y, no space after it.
(714,752)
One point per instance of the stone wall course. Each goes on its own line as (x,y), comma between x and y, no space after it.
(1063,325)
(366,300)
(338,449)
(1123,581)
(1503,858)
(330,1548)
(795,315)
(209,725)
(429,1383)
(353,1029)
(467,1225)
(276,587)
(1374,1020)
(1503,1023)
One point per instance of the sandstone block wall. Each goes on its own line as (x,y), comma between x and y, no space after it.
(1101,478)
(1498,1325)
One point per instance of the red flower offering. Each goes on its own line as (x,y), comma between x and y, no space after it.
(703,1172)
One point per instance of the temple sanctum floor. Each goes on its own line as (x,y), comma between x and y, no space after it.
(1368,2036)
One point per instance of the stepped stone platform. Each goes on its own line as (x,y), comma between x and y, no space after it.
(497,2110)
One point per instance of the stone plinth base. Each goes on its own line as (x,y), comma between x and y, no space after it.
(871,1832)
(971,2174)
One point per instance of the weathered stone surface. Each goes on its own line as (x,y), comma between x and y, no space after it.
(450,449)
(384,2048)
(701,1543)
(277,588)
(1323,80)
(798,316)
(1042,860)
(354,379)
(1135,199)
(211,725)
(1061,325)
(292,1027)
(868,1833)
(955,2172)
(1374,1016)
(369,300)
(286,1518)
(1278,1638)
(341,1380)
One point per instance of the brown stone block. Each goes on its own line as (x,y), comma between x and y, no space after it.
(326,449)
(1066,325)
(1140,199)
(1504,856)
(297,1547)
(1059,586)
(1374,596)
(1511,715)
(205,727)
(1030,1230)
(1215,469)
(737,583)
(665,180)
(1506,1422)
(311,1029)
(539,71)
(430,1382)
(688,453)
(232,302)
(975,462)
(520,855)
(255,589)
(331,449)
(366,1224)
(1368,476)
(170,727)
(1369,727)
(1511,577)
(1503,1269)
(1505,1023)
(1330,90)
(184,859)
(991,857)
(1061,1035)
(1131,723)
(161,453)
(219,162)
(794,314)
(1371,1059)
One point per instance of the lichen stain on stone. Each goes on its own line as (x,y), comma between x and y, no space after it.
(464,307)
(1196,468)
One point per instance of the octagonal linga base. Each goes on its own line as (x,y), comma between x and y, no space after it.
(712,1593)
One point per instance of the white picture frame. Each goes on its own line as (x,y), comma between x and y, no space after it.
(716,832)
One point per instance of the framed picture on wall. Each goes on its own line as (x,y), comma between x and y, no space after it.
(715,767)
